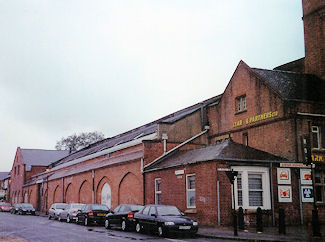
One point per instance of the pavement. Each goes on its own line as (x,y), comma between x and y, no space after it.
(293,233)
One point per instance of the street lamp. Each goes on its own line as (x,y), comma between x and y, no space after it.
(232,175)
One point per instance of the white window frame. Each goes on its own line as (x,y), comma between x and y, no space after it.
(315,130)
(241,103)
(156,191)
(190,190)
(244,171)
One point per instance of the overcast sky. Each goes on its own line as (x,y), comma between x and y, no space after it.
(70,66)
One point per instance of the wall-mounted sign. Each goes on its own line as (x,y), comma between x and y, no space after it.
(284,175)
(285,194)
(294,165)
(307,195)
(305,176)
(255,118)
(317,158)
(179,172)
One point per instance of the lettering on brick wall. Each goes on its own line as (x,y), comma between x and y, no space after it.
(254,119)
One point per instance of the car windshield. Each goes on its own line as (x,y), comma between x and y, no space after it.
(77,206)
(99,207)
(136,207)
(61,206)
(168,211)
(26,205)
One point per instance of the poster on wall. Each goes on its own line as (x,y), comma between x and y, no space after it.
(285,194)
(307,195)
(284,175)
(305,176)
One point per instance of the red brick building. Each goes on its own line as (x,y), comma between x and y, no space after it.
(27,163)
(268,110)
(253,127)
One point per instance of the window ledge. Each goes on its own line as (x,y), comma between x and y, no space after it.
(190,210)
(239,112)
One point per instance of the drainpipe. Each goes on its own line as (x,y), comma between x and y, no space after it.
(63,189)
(93,186)
(298,174)
(272,196)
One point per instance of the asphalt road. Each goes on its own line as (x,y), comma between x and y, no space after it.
(36,228)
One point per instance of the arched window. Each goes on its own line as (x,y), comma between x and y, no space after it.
(106,195)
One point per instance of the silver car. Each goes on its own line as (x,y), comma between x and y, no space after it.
(70,213)
(56,209)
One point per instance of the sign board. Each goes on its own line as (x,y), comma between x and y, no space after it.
(285,194)
(307,194)
(294,165)
(179,172)
(284,175)
(305,177)
(223,169)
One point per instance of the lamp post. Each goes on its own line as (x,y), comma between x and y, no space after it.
(232,175)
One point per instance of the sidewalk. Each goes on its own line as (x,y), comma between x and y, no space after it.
(293,233)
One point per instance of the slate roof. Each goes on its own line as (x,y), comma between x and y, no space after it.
(4,175)
(37,157)
(294,86)
(139,132)
(227,150)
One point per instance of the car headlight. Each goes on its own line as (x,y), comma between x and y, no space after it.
(195,223)
(169,223)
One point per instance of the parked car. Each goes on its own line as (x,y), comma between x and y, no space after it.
(70,213)
(92,213)
(122,216)
(5,207)
(56,209)
(15,208)
(25,208)
(163,220)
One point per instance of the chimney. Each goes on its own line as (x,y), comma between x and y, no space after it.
(314,32)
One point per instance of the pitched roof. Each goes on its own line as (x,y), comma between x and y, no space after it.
(136,133)
(4,175)
(37,157)
(227,150)
(294,86)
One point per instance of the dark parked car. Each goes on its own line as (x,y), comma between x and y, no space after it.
(15,208)
(164,220)
(70,213)
(92,213)
(122,216)
(56,209)
(24,208)
(5,207)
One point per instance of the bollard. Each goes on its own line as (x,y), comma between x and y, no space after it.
(282,225)
(259,222)
(315,223)
(241,224)
(235,223)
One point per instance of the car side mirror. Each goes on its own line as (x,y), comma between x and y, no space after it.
(153,215)
(183,214)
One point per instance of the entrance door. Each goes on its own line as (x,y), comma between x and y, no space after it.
(106,195)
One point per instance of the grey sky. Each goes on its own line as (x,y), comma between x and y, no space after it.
(73,66)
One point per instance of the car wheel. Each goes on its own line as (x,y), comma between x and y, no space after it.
(138,228)
(59,218)
(107,225)
(49,217)
(68,219)
(123,226)
(160,231)
(86,222)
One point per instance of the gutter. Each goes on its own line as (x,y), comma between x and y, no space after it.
(107,151)
(312,115)
(177,147)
